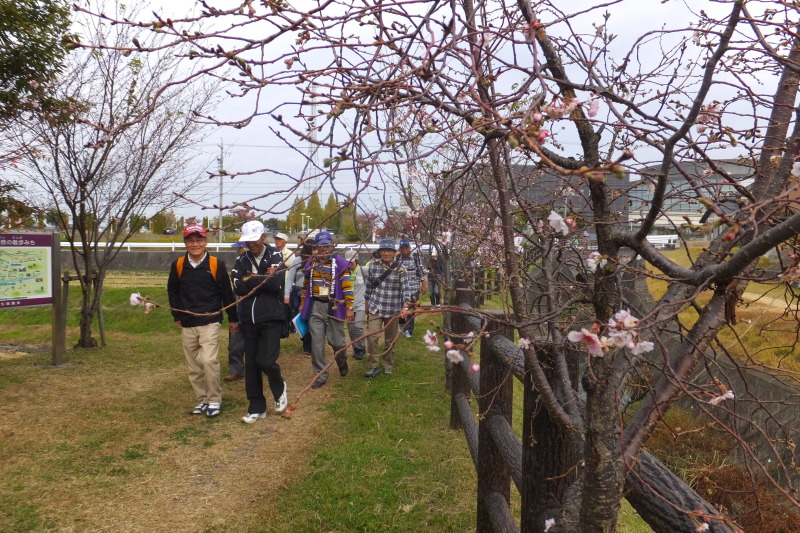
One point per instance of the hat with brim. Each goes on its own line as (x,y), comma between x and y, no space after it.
(237,245)
(280,235)
(351,255)
(387,244)
(252,231)
(405,242)
(323,238)
(194,228)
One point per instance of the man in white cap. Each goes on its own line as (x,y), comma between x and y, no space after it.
(280,243)
(198,288)
(259,276)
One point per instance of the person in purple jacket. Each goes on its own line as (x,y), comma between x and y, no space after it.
(327,302)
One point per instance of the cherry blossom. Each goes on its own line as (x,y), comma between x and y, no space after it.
(702,527)
(148,308)
(557,223)
(595,260)
(642,347)
(448,344)
(718,399)
(550,522)
(556,111)
(594,107)
(591,340)
(796,169)
(430,338)
(454,356)
(524,343)
(136,299)
(475,368)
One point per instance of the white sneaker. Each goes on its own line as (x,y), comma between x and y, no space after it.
(250,418)
(407,334)
(283,401)
(213,410)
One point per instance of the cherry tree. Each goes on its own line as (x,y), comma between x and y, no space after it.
(120,148)
(524,119)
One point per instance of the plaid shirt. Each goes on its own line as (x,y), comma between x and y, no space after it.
(413,267)
(388,298)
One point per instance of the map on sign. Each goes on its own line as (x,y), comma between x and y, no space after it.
(26,268)
(24,273)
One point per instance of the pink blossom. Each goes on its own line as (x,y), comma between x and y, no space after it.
(557,223)
(433,348)
(718,399)
(624,319)
(702,527)
(136,299)
(548,524)
(543,134)
(524,343)
(591,340)
(556,111)
(594,107)
(448,344)
(642,347)
(148,308)
(454,356)
(537,117)
(430,338)
(595,260)
(475,368)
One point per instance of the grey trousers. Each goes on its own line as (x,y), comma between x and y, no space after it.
(356,329)
(322,327)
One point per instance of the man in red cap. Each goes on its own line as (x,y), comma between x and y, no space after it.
(198,289)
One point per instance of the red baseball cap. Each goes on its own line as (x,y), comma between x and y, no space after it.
(194,228)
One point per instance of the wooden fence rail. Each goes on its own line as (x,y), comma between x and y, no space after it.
(660,497)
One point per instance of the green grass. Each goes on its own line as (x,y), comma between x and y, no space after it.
(385,460)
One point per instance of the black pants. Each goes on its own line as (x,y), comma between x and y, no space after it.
(262,345)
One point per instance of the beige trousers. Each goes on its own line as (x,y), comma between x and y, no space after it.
(201,346)
(375,324)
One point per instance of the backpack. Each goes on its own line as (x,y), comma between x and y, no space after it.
(212,264)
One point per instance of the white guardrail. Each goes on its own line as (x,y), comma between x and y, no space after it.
(216,246)
(659,241)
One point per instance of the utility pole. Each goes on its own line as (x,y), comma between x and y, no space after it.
(220,160)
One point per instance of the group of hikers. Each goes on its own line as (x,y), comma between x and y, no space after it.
(272,291)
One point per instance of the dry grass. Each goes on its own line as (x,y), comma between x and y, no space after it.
(62,458)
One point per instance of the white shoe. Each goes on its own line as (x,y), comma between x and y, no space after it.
(283,401)
(250,418)
(407,334)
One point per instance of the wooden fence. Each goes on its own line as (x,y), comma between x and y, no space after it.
(500,456)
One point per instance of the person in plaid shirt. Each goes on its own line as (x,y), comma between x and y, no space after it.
(388,295)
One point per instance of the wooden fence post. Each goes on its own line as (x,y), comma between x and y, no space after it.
(495,399)
(459,324)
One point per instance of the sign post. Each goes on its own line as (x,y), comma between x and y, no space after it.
(30,271)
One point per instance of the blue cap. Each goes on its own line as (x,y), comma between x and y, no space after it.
(405,242)
(323,237)
(237,245)
(386,244)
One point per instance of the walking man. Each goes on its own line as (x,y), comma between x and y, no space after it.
(327,297)
(412,264)
(198,288)
(236,339)
(259,276)
(388,296)
(355,329)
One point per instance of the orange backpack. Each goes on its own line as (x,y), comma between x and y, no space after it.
(212,264)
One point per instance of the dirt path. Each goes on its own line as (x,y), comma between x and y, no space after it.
(127,473)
